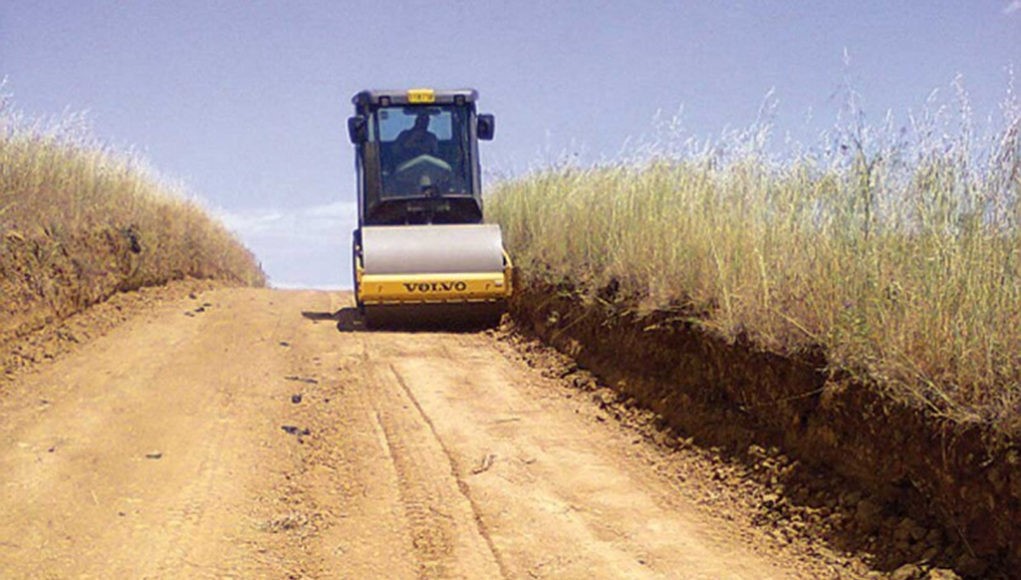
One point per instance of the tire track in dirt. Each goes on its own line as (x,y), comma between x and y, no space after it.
(443,524)
(559,496)
(462,485)
(331,513)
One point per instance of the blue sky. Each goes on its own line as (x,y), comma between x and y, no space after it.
(245,102)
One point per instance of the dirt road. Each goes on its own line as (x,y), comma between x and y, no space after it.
(242,433)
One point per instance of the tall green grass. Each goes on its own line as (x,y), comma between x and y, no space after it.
(895,249)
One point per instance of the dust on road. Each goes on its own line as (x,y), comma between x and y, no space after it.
(241,433)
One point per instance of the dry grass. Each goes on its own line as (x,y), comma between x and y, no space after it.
(897,251)
(79,221)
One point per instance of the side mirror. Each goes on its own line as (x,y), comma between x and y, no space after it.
(486,127)
(357,129)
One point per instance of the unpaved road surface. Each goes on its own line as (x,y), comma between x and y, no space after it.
(245,433)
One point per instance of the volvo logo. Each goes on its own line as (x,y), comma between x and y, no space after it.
(429,287)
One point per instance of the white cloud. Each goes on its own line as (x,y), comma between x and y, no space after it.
(1012,7)
(292,223)
(305,286)
(250,221)
(339,208)
(299,247)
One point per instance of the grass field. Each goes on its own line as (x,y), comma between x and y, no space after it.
(896,250)
(79,221)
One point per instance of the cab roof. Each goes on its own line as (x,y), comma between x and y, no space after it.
(384,97)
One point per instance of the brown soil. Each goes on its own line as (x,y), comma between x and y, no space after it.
(867,473)
(52,338)
(241,432)
(46,277)
(51,273)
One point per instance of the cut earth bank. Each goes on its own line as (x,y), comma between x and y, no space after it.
(873,473)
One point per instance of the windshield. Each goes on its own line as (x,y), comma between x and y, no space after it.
(423,150)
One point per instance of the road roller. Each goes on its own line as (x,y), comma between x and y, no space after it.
(421,252)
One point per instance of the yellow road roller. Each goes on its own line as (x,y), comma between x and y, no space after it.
(421,252)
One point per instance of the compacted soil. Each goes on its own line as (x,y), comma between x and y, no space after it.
(260,433)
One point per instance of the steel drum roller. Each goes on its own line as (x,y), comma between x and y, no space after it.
(433,249)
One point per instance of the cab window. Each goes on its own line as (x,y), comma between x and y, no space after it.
(393,120)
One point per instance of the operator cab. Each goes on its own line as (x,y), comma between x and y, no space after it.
(417,156)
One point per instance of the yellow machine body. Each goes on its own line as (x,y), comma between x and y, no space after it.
(380,289)
(422,250)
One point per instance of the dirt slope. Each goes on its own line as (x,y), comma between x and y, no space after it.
(241,432)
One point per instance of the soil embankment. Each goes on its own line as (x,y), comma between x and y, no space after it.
(44,278)
(49,275)
(918,488)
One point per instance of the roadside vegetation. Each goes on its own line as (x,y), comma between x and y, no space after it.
(893,247)
(80,221)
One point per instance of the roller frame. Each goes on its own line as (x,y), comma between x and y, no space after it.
(432,288)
